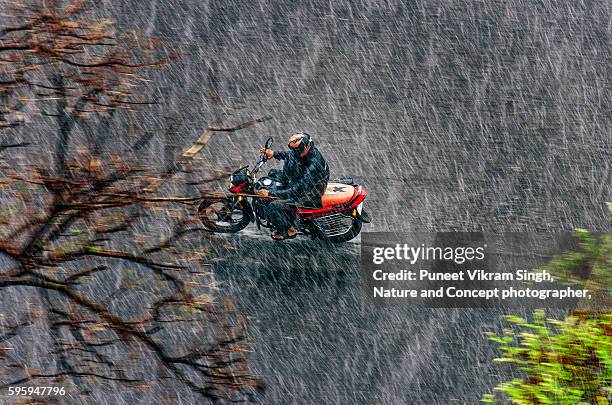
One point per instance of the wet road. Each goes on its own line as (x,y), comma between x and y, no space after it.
(455,115)
(319,339)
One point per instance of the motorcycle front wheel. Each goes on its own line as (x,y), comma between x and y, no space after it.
(223,216)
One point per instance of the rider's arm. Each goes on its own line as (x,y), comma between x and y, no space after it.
(280,155)
(312,172)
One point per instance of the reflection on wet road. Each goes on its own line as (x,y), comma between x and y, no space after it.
(319,340)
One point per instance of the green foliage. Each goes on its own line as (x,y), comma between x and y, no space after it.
(566,362)
(589,267)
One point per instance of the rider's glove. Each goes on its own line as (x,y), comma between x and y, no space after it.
(268,152)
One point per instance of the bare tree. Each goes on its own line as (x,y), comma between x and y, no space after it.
(118,300)
(56,51)
(78,235)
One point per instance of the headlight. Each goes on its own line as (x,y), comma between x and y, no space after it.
(360,208)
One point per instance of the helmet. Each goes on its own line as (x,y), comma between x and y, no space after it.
(300,143)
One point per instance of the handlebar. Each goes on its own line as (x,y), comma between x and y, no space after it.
(258,165)
(262,158)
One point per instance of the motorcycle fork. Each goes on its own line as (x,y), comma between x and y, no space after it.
(242,203)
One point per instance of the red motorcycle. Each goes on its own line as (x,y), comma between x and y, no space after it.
(339,219)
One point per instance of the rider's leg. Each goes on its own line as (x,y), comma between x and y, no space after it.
(282,217)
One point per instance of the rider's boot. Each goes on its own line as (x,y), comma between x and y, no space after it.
(292,232)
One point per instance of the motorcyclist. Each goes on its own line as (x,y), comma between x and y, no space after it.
(306,174)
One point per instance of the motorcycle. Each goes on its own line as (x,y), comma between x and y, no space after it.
(338,220)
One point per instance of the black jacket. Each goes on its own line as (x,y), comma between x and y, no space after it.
(306,177)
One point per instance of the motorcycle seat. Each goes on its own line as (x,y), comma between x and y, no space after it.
(337,194)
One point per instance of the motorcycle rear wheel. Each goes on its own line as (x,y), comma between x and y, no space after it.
(222,216)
